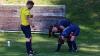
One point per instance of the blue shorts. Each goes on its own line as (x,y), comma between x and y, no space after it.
(76,33)
(26,30)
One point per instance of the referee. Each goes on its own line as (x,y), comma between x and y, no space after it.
(26,22)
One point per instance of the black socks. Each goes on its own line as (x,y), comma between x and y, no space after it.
(29,46)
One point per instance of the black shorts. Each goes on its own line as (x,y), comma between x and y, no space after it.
(26,30)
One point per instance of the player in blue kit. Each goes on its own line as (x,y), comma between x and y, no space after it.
(69,32)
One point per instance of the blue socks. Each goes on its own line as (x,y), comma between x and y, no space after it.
(72,45)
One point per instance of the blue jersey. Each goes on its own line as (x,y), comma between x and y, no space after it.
(71,28)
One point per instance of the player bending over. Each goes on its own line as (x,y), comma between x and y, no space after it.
(69,32)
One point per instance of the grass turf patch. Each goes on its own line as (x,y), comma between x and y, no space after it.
(88,45)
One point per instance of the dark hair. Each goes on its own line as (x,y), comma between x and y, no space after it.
(30,2)
(57,26)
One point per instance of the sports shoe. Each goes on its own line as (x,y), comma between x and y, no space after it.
(31,53)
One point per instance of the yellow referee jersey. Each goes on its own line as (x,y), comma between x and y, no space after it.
(24,12)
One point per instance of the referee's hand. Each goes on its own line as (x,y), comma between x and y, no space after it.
(32,26)
(31,16)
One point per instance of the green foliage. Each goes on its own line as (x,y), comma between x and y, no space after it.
(15,1)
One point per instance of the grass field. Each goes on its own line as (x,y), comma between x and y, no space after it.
(88,42)
(85,13)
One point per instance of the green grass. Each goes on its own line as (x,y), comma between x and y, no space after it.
(85,13)
(88,42)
